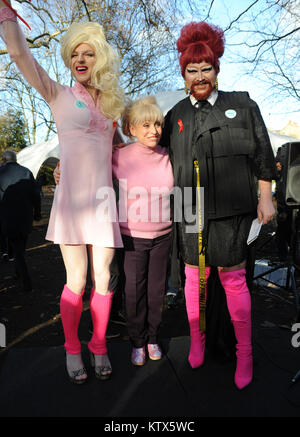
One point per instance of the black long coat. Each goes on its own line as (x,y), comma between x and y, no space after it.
(232,147)
(20,200)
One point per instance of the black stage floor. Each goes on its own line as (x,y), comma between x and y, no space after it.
(34,384)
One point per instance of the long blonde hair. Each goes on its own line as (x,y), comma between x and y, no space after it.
(139,111)
(105,74)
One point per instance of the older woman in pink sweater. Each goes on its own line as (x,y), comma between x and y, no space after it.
(146,181)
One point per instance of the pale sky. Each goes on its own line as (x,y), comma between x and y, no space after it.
(231,76)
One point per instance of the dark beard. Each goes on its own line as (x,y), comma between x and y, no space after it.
(202,95)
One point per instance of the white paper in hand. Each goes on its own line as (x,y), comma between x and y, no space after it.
(254,231)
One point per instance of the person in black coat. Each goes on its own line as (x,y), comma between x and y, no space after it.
(20,203)
(5,250)
(221,153)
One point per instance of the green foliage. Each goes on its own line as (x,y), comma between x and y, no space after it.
(12,131)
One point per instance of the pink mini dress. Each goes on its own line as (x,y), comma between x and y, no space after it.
(85,140)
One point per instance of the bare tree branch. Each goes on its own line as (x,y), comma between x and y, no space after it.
(240,15)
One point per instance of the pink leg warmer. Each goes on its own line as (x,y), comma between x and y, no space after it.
(197,347)
(100,310)
(70,308)
(239,307)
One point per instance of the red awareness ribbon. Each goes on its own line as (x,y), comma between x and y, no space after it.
(15,12)
(180,124)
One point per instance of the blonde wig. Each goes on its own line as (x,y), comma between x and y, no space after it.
(105,74)
(139,111)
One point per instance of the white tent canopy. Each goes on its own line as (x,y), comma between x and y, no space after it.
(278,140)
(33,157)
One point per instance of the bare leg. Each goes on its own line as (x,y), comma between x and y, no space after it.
(75,260)
(101,300)
(100,259)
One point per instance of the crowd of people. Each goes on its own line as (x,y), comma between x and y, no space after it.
(187,194)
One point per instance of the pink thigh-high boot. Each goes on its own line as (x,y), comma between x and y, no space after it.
(100,310)
(239,307)
(71,308)
(197,347)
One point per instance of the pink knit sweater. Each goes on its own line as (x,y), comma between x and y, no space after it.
(145,182)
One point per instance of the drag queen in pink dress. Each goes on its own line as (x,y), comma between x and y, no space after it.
(85,118)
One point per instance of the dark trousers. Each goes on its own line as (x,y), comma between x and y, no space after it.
(5,246)
(3,243)
(145,266)
(18,245)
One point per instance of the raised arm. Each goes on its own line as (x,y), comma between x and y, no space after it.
(19,53)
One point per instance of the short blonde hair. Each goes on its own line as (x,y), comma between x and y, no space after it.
(105,74)
(138,111)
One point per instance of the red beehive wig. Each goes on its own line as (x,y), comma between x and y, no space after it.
(200,42)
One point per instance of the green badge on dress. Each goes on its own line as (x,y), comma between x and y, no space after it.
(80,104)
